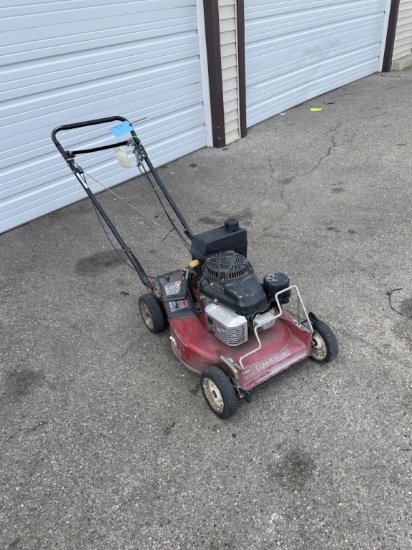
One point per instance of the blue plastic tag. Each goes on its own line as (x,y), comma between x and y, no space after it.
(121,128)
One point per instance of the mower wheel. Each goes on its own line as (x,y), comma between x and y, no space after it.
(324,343)
(152,313)
(219,392)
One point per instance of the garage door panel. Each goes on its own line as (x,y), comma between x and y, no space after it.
(292,30)
(37,199)
(29,8)
(153,129)
(338,33)
(64,109)
(32,78)
(91,60)
(307,68)
(340,78)
(53,40)
(143,84)
(294,23)
(165,104)
(30,175)
(335,34)
(75,11)
(19,177)
(73,43)
(293,58)
(303,82)
(297,50)
(288,100)
(56,194)
(266,9)
(91,17)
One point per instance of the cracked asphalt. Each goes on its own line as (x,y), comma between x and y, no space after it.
(106,442)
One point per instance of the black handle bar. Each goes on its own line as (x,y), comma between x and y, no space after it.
(69,154)
(77,170)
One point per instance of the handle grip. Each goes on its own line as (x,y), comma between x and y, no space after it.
(66,155)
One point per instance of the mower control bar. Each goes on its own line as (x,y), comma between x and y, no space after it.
(69,154)
(80,176)
(94,149)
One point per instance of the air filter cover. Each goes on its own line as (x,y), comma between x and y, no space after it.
(274,283)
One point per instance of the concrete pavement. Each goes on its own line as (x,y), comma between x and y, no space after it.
(106,441)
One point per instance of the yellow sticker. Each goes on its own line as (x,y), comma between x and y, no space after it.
(316,109)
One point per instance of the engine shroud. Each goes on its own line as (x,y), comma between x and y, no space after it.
(230,279)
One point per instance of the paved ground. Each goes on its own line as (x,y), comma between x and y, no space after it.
(106,442)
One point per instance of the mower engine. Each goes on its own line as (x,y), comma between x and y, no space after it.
(235,299)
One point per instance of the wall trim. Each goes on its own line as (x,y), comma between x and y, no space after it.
(204,71)
(212,32)
(240,9)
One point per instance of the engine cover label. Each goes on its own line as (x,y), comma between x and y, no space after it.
(217,287)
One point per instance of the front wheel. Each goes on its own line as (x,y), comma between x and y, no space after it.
(219,392)
(324,343)
(152,313)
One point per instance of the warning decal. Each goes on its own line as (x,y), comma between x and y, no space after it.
(172,288)
(178,304)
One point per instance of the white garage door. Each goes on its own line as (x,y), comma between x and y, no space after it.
(62,62)
(298,49)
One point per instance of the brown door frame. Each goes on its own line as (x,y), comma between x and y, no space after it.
(240,7)
(390,36)
(214,63)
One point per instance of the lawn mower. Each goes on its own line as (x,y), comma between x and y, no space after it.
(232,329)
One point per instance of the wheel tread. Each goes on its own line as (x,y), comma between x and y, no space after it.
(156,313)
(328,336)
(226,389)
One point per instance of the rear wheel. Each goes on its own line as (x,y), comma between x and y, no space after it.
(152,313)
(219,392)
(324,343)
